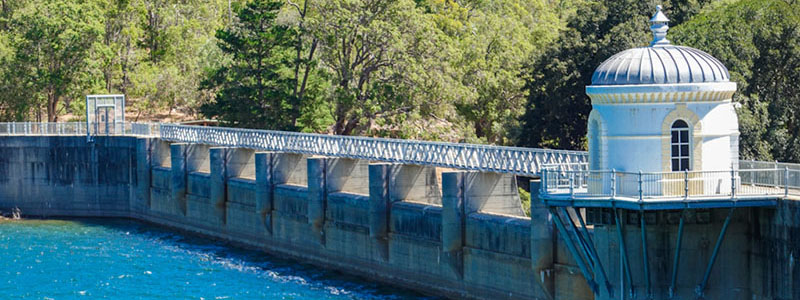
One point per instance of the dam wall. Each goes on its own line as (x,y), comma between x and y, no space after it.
(459,234)
(65,176)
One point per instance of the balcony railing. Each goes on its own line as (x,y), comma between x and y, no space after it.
(654,186)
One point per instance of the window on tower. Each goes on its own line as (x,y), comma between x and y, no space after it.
(680,146)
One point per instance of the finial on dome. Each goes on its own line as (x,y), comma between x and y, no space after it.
(659,28)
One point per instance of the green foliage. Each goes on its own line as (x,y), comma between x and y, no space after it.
(55,52)
(558,108)
(384,63)
(758,41)
(251,91)
(52,44)
(166,49)
(500,72)
(525,198)
(494,39)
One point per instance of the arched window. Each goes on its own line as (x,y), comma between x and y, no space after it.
(680,146)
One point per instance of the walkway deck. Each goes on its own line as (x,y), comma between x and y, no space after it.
(670,190)
(483,158)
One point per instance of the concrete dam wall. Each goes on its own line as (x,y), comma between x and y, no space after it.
(443,232)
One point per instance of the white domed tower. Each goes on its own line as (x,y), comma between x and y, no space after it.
(662,108)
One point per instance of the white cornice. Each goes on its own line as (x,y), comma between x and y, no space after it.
(661,93)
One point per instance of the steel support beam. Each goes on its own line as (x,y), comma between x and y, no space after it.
(645,260)
(574,251)
(584,244)
(702,286)
(676,260)
(624,250)
(593,253)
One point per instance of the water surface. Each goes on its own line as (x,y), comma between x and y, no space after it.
(121,259)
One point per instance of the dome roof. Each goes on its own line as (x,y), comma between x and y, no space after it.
(660,63)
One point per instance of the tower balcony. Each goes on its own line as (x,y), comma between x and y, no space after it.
(752,184)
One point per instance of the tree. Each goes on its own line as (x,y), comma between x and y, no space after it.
(304,62)
(154,25)
(7,8)
(494,40)
(16,102)
(252,91)
(116,42)
(309,81)
(558,107)
(386,58)
(758,41)
(53,42)
(167,71)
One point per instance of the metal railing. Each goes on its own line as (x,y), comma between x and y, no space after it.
(77,128)
(641,186)
(755,164)
(519,161)
(562,171)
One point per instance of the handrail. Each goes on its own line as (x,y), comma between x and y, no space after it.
(755,164)
(77,128)
(643,186)
(487,158)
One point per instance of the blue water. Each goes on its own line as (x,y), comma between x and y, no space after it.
(118,259)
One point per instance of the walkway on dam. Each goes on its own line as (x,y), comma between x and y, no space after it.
(328,199)
(565,180)
(484,158)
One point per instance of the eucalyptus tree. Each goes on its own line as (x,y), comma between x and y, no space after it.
(174,49)
(495,39)
(388,64)
(52,42)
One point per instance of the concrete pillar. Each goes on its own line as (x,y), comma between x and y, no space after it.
(217,190)
(264,187)
(453,211)
(453,221)
(143,164)
(264,182)
(541,239)
(379,200)
(316,192)
(178,182)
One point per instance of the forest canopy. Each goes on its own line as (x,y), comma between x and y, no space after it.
(508,72)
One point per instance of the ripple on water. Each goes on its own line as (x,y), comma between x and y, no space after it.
(91,258)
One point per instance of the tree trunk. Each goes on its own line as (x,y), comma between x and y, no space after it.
(52,101)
